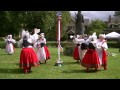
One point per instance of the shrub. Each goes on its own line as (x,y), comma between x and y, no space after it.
(113,45)
(55,44)
(2,45)
(68,50)
(2,38)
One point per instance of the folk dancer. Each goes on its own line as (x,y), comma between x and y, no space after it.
(77,50)
(84,46)
(43,53)
(102,53)
(28,57)
(35,35)
(9,44)
(91,59)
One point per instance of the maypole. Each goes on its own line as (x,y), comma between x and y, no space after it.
(59,61)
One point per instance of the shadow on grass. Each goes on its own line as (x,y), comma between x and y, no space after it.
(81,71)
(11,71)
(17,64)
(69,63)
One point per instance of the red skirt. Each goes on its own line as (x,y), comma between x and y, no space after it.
(104,58)
(91,59)
(76,54)
(28,58)
(47,52)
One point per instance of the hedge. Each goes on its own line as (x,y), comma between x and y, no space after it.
(68,46)
(49,44)
(68,50)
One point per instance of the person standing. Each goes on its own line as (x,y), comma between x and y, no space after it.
(91,59)
(28,57)
(101,49)
(84,46)
(77,50)
(9,45)
(43,53)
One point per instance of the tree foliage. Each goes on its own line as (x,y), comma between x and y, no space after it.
(96,26)
(117,13)
(11,22)
(79,21)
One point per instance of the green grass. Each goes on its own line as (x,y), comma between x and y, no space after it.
(9,68)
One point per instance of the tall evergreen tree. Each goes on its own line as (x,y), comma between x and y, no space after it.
(79,21)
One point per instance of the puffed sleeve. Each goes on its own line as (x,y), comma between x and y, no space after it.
(14,41)
(30,40)
(80,41)
(35,45)
(44,41)
(104,45)
(20,43)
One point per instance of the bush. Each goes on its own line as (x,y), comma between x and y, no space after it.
(2,45)
(51,44)
(68,50)
(2,38)
(17,38)
(55,44)
(64,44)
(113,45)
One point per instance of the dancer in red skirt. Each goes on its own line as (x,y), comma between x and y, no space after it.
(77,50)
(102,53)
(84,46)
(43,53)
(91,59)
(28,57)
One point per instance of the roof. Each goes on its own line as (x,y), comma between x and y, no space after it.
(71,32)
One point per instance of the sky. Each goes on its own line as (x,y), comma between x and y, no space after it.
(103,15)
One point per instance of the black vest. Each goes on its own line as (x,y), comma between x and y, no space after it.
(84,46)
(90,46)
(42,44)
(9,42)
(26,43)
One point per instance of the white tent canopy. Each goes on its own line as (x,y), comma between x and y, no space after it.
(112,35)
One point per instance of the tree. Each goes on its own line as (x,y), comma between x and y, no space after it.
(3,23)
(96,26)
(11,22)
(117,13)
(66,17)
(79,21)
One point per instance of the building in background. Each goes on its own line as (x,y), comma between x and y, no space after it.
(113,24)
(72,26)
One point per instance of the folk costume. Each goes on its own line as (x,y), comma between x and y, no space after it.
(84,47)
(9,44)
(35,35)
(77,50)
(102,53)
(91,59)
(28,57)
(43,53)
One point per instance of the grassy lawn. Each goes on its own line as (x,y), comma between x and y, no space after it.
(9,68)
